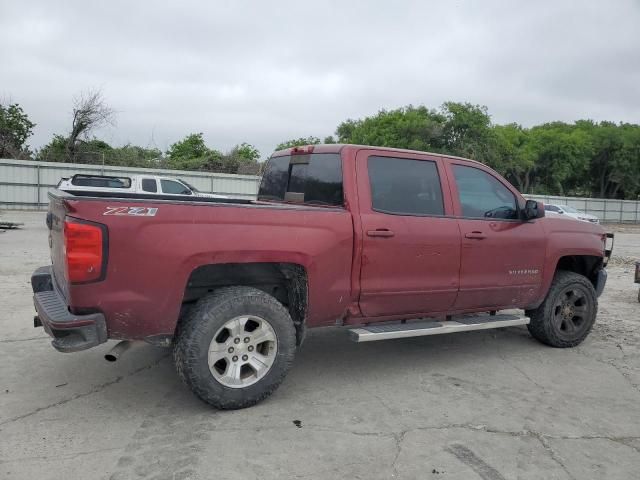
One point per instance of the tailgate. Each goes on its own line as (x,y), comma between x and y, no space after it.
(55,223)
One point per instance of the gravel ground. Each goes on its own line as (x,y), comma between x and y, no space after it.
(490,405)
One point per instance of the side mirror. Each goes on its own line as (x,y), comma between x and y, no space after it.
(533,209)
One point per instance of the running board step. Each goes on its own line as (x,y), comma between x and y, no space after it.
(419,328)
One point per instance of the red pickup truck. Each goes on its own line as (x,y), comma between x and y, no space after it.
(393,243)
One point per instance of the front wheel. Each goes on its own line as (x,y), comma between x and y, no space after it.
(234,348)
(567,314)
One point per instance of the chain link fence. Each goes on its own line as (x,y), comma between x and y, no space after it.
(607,210)
(138,157)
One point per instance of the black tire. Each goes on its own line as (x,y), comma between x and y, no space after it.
(566,316)
(196,331)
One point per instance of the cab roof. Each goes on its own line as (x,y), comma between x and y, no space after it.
(338,147)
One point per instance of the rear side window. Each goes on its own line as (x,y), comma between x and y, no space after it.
(176,188)
(149,185)
(482,195)
(314,179)
(405,186)
(100,181)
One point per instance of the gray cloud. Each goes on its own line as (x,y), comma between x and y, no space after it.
(263,72)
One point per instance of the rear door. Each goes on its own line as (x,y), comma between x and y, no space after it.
(411,241)
(502,256)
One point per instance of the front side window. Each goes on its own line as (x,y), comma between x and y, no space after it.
(482,195)
(149,185)
(403,186)
(551,208)
(314,179)
(175,188)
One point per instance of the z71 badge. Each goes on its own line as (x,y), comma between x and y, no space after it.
(131,211)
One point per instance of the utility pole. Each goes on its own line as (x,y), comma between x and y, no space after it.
(99,153)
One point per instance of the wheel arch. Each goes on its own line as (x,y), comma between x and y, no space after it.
(287,282)
(585,265)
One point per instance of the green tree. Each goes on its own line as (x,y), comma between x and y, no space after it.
(192,146)
(135,156)
(513,155)
(467,131)
(212,161)
(15,128)
(248,152)
(562,155)
(93,151)
(192,153)
(581,158)
(607,140)
(298,142)
(416,128)
(626,164)
(242,159)
(54,151)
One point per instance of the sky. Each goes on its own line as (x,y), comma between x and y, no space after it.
(264,72)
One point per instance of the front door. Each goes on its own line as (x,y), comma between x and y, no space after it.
(502,256)
(411,241)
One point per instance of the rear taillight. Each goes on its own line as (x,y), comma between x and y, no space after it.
(84,245)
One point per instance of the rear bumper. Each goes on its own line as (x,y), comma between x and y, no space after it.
(70,333)
(601,281)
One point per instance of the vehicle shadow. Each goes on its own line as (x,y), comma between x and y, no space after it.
(328,360)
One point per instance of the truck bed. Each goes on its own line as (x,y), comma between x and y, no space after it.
(155,247)
(150,196)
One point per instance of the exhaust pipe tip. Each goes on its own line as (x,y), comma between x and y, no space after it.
(116,352)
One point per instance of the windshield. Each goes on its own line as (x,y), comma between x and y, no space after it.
(193,189)
(566,208)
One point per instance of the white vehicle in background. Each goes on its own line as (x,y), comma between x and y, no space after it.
(137,184)
(570,212)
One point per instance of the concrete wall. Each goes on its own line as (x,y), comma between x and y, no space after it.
(607,210)
(24,184)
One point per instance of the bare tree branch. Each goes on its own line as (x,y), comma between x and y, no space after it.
(89,112)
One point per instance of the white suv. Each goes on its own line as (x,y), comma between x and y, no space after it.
(571,212)
(144,184)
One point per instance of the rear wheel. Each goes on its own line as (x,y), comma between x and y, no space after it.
(566,316)
(235,346)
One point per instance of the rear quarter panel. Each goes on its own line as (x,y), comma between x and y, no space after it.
(151,258)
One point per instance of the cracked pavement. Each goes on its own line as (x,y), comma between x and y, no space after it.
(487,405)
